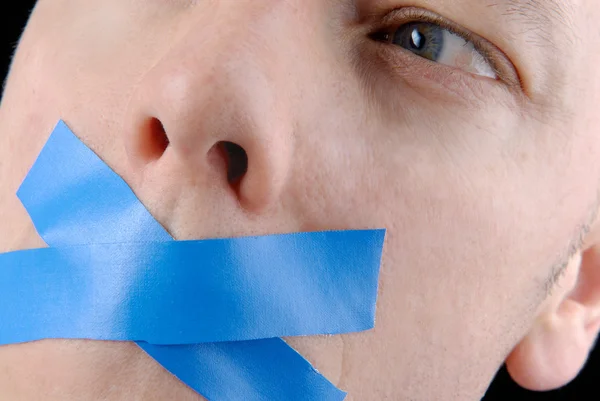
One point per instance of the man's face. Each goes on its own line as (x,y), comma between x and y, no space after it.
(467,128)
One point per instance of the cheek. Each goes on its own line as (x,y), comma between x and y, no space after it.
(473,229)
(81,62)
(78,371)
(454,295)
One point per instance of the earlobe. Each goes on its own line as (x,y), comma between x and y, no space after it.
(557,347)
(553,353)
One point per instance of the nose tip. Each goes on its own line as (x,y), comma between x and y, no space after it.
(153,141)
(212,121)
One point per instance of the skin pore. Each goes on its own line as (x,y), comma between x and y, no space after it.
(485,184)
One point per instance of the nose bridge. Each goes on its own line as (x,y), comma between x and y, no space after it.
(223,73)
(230,38)
(239,37)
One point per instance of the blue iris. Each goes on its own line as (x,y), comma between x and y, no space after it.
(421,38)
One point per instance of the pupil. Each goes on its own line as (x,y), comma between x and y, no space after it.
(417,40)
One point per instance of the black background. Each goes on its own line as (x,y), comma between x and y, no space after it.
(13,16)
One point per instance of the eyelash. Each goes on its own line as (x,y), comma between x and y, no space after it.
(502,66)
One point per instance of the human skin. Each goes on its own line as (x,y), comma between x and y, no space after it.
(487,187)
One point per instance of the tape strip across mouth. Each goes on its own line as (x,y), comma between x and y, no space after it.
(101,235)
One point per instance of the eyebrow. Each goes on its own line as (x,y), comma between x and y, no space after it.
(541,17)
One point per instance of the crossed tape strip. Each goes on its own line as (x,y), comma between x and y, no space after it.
(219,304)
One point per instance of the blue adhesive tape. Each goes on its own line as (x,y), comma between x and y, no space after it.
(74,198)
(246,370)
(188,292)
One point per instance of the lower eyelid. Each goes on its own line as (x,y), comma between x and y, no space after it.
(432,79)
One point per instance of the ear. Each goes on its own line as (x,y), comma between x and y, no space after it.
(557,348)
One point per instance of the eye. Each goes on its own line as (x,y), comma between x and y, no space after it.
(438,44)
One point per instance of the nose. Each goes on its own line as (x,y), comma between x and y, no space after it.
(212,108)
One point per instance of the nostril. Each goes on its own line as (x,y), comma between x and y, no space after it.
(154,141)
(237,161)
